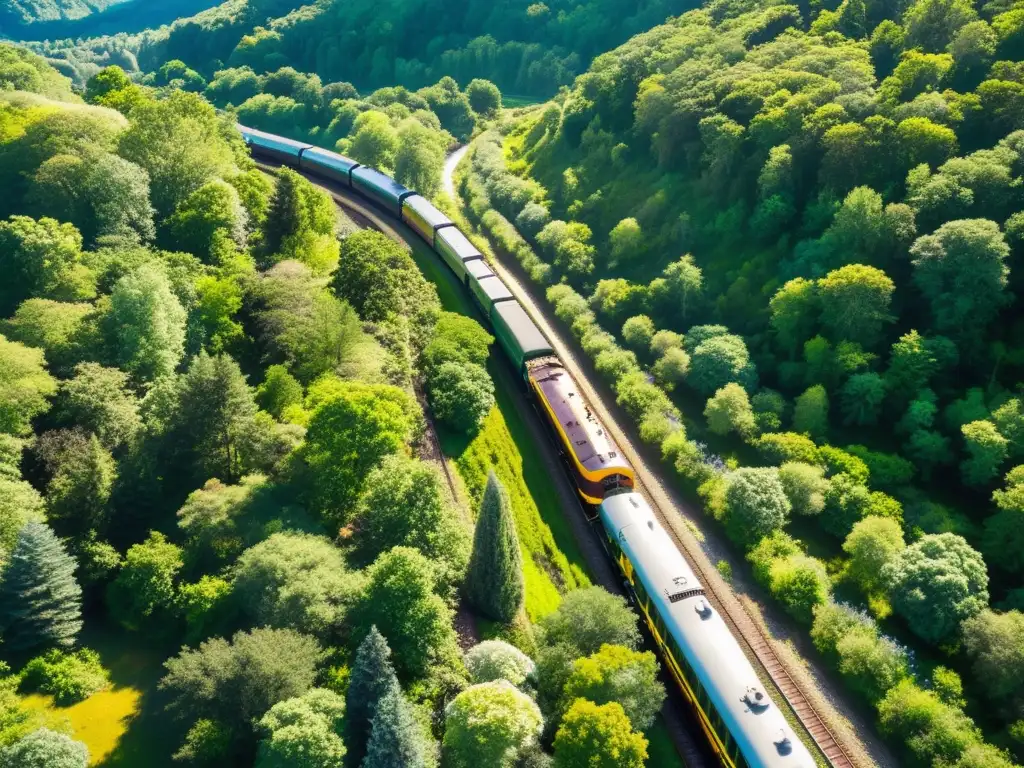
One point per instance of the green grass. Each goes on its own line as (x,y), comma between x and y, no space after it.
(552,561)
(121,726)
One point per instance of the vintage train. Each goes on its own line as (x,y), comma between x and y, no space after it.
(742,724)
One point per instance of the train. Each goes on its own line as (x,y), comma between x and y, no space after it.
(742,724)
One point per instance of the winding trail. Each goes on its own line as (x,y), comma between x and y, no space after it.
(843,735)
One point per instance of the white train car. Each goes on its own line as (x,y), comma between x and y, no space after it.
(742,723)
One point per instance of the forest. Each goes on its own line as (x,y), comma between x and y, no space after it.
(527,48)
(790,239)
(213,447)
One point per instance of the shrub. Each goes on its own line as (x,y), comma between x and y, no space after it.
(461,395)
(497,660)
(70,677)
(755,504)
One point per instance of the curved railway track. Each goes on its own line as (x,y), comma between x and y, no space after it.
(751,635)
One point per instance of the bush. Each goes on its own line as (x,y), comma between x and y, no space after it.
(461,395)
(70,677)
(780,447)
(755,504)
(497,660)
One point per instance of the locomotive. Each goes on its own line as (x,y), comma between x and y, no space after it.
(743,726)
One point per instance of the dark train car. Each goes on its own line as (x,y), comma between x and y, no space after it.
(328,165)
(271,147)
(518,334)
(596,463)
(455,248)
(420,214)
(381,189)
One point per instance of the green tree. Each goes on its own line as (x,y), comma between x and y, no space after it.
(144,586)
(854,302)
(932,729)
(960,270)
(622,675)
(995,644)
(494,582)
(82,479)
(372,678)
(671,368)
(461,395)
(987,450)
(794,313)
(40,600)
(484,97)
(497,660)
(872,544)
(99,400)
(56,327)
(936,583)
(805,486)
(406,504)
(419,160)
(489,724)
(626,241)
(146,323)
(637,332)
(599,736)
(303,732)
(41,259)
(729,411)
(20,503)
(279,391)
(755,504)
(810,412)
(718,361)
(400,601)
(912,363)
(396,739)
(588,618)
(295,580)
(24,387)
(44,748)
(862,397)
(931,24)
(348,435)
(374,142)
(213,209)
(238,681)
(1003,541)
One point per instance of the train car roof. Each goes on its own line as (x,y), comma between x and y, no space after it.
(478,269)
(753,719)
(427,211)
(380,180)
(270,139)
(531,341)
(594,448)
(494,289)
(458,242)
(333,159)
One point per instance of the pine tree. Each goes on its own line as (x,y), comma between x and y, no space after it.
(372,678)
(283,217)
(40,601)
(494,583)
(396,740)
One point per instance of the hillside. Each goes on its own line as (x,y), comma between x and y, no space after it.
(26,12)
(803,224)
(526,48)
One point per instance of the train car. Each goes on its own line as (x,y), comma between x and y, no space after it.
(596,463)
(271,147)
(328,165)
(744,726)
(489,292)
(420,214)
(455,248)
(518,335)
(380,189)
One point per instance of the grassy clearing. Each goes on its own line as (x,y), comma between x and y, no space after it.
(120,725)
(552,562)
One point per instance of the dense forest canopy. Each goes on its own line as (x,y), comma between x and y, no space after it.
(802,226)
(527,48)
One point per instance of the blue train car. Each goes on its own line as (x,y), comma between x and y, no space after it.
(328,165)
(420,214)
(271,147)
(381,189)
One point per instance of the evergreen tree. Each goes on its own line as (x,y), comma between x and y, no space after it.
(40,601)
(372,678)
(395,741)
(283,215)
(494,584)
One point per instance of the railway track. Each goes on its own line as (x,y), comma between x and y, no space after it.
(740,623)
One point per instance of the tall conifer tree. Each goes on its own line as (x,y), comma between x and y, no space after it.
(395,740)
(40,601)
(372,677)
(494,583)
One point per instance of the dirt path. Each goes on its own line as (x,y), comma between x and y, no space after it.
(844,734)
